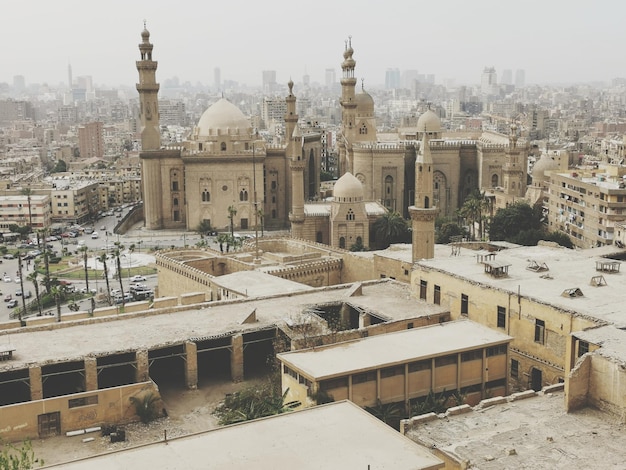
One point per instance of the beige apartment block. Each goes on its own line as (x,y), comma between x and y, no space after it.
(540,296)
(458,356)
(587,204)
(24,210)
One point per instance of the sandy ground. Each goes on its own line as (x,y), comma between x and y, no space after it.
(189,411)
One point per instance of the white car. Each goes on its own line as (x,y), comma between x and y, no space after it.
(94,235)
(137,278)
(7,279)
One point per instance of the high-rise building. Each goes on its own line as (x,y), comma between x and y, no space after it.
(520,78)
(331,78)
(507,77)
(91,140)
(19,83)
(269,81)
(392,78)
(217,78)
(489,82)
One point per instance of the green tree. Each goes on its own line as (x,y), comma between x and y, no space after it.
(57,292)
(472,211)
(390,228)
(203,228)
(232,212)
(28,192)
(32,277)
(388,413)
(22,230)
(221,239)
(145,407)
(19,269)
(514,222)
(254,402)
(103,259)
(358,246)
(449,230)
(59,167)
(560,238)
(18,458)
(117,252)
(84,250)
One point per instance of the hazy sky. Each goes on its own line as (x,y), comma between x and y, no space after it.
(553,40)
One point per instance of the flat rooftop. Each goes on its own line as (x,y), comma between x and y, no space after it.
(567,269)
(300,439)
(377,351)
(102,336)
(532,433)
(258,283)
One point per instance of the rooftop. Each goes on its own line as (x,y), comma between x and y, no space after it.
(105,335)
(567,269)
(532,433)
(299,439)
(392,348)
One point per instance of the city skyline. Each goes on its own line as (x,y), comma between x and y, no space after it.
(553,44)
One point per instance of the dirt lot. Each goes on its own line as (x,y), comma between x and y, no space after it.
(189,411)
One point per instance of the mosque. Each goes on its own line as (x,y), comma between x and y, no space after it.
(225,172)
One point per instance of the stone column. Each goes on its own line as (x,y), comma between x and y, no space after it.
(36,384)
(236,358)
(143,367)
(191,365)
(91,374)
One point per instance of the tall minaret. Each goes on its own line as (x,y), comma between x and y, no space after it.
(423,214)
(513,171)
(291,118)
(148,90)
(296,165)
(348,105)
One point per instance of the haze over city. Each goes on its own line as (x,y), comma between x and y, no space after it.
(554,42)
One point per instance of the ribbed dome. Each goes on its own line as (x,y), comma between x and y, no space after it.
(348,189)
(429,122)
(544,164)
(222,115)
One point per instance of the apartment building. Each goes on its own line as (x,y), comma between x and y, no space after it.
(586,204)
(24,210)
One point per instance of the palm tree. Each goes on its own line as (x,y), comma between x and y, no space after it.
(32,277)
(57,293)
(118,248)
(84,251)
(19,267)
(203,228)
(103,259)
(46,262)
(390,228)
(472,210)
(27,192)
(232,212)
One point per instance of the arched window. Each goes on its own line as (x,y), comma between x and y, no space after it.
(243,195)
(175,201)
(350,215)
(363,130)
(273,213)
(494,181)
(206,196)
(223,146)
(359,240)
(426,202)
(342,242)
(319,237)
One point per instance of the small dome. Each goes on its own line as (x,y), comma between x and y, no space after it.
(348,189)
(364,103)
(429,122)
(544,164)
(222,115)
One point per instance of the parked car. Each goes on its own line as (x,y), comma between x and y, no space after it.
(94,235)
(83,290)
(7,279)
(12,303)
(8,256)
(8,297)
(137,278)
(88,230)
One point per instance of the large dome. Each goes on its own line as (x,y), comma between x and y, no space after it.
(348,189)
(225,116)
(364,103)
(429,122)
